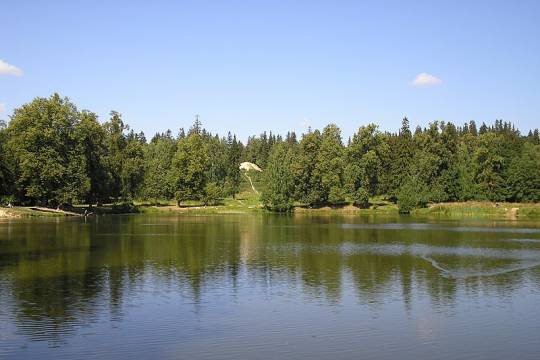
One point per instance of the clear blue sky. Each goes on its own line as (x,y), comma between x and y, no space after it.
(250,66)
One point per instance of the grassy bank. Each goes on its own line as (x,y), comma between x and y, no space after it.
(77,210)
(378,206)
(22,212)
(481,209)
(248,202)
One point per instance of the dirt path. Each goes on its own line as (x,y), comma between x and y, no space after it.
(253,187)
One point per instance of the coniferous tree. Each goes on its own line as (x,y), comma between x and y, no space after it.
(401,154)
(233,160)
(278,179)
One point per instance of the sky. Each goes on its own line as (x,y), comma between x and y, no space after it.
(250,66)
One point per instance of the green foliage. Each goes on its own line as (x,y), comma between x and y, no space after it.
(411,195)
(92,136)
(190,165)
(124,208)
(466,184)
(116,142)
(132,174)
(307,182)
(158,180)
(233,159)
(278,179)
(400,158)
(124,159)
(212,194)
(523,181)
(365,157)
(47,152)
(361,198)
(490,159)
(51,153)
(329,166)
(258,149)
(5,175)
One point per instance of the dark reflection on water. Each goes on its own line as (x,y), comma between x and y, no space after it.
(265,286)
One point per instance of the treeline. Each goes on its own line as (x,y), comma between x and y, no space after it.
(439,163)
(51,153)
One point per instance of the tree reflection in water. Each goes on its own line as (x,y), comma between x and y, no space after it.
(59,275)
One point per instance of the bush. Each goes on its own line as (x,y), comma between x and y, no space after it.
(336,195)
(411,195)
(212,194)
(124,208)
(8,199)
(361,198)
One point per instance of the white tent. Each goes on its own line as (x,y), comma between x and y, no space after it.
(247,166)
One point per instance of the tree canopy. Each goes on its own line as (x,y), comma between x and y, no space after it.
(51,153)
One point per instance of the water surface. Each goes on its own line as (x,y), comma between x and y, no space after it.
(269,287)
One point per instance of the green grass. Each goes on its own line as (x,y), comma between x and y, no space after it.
(481,209)
(248,201)
(245,201)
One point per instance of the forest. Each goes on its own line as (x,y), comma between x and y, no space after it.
(52,153)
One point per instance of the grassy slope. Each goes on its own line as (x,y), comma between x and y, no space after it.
(245,201)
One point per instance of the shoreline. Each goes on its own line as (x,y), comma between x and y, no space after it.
(449,210)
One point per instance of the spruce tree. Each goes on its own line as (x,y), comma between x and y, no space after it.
(278,179)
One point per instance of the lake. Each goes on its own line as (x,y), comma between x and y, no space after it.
(263,286)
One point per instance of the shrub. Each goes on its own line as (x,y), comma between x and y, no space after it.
(124,208)
(411,195)
(212,194)
(361,198)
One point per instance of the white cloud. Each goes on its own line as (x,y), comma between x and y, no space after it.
(425,79)
(2,108)
(8,69)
